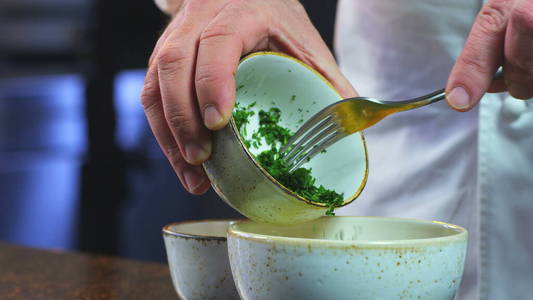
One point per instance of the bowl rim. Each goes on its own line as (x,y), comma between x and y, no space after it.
(265,173)
(167,231)
(461,235)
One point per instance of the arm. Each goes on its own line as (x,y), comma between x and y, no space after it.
(168,6)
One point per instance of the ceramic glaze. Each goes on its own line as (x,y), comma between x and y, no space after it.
(347,258)
(198,259)
(275,80)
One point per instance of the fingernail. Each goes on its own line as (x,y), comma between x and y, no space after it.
(212,118)
(458,98)
(195,154)
(193,179)
(519,91)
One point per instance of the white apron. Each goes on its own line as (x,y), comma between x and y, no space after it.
(473,169)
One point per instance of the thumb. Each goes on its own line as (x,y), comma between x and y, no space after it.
(483,53)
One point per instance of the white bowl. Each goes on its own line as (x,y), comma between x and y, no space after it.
(347,258)
(273,79)
(198,259)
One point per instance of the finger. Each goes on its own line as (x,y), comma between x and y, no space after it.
(235,31)
(519,51)
(497,86)
(192,177)
(472,74)
(176,61)
(305,43)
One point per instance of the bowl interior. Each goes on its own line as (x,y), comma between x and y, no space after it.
(362,229)
(273,80)
(205,228)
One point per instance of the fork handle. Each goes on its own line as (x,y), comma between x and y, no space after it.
(433,97)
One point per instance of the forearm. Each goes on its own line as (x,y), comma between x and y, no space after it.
(168,6)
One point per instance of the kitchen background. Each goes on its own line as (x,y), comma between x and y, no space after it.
(79,167)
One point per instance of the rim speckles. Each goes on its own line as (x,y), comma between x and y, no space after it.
(168,231)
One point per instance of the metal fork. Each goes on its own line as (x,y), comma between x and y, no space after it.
(346,117)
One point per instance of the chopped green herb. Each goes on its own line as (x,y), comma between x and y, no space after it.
(242,115)
(240,87)
(300,180)
(293,98)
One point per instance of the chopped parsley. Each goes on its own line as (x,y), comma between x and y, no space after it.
(275,136)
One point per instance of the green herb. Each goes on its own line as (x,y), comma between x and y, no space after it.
(293,98)
(242,115)
(273,135)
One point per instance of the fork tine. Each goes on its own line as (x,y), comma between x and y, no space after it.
(330,140)
(331,128)
(318,118)
(296,148)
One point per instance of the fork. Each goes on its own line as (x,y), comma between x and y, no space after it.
(344,118)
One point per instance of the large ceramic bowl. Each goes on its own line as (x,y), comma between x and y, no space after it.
(275,80)
(198,260)
(347,258)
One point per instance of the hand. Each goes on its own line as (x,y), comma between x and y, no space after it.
(501,35)
(189,87)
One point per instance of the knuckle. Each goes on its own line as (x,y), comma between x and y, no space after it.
(172,58)
(172,152)
(493,16)
(149,94)
(179,120)
(147,99)
(208,75)
(474,64)
(522,16)
(216,30)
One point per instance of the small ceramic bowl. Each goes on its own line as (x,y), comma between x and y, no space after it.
(276,80)
(198,259)
(347,258)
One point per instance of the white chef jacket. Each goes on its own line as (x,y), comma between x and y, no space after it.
(474,169)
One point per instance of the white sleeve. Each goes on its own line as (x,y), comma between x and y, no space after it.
(168,6)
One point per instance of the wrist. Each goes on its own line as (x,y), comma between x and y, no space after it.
(169,7)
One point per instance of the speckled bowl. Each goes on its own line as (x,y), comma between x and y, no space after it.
(198,259)
(347,258)
(276,80)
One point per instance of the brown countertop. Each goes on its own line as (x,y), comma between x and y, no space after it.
(27,273)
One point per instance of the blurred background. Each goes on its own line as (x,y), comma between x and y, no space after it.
(79,167)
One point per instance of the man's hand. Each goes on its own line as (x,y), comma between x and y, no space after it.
(189,88)
(501,35)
